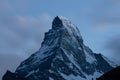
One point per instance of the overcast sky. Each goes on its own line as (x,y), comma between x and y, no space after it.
(23,23)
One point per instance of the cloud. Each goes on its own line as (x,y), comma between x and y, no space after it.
(103,12)
(8,62)
(6,8)
(21,31)
(113,45)
(20,35)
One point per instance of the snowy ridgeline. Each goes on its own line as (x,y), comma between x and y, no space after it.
(63,56)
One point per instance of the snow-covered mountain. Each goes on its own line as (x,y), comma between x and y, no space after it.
(63,56)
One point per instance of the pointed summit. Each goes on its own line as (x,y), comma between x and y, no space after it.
(62,32)
(62,23)
(57,22)
(63,56)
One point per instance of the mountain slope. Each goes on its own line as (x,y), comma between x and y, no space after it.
(63,56)
(113,74)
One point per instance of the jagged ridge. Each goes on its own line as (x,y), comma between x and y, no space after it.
(63,56)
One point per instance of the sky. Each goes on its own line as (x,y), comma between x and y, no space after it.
(24,22)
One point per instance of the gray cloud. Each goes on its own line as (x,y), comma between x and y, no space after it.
(20,31)
(20,37)
(112,47)
(113,44)
(103,12)
(8,62)
(102,20)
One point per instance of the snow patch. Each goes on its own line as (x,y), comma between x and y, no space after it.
(31,72)
(71,58)
(89,58)
(51,78)
(79,48)
(70,27)
(94,76)
(63,18)
(71,77)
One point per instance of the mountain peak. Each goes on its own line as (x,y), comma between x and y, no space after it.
(60,21)
(57,22)
(62,18)
(62,30)
(63,56)
(63,23)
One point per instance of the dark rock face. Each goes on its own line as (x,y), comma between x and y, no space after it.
(63,56)
(103,64)
(113,74)
(13,76)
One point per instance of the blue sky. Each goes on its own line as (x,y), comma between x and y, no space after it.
(23,23)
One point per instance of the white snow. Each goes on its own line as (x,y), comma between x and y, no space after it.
(51,78)
(94,76)
(89,58)
(72,77)
(31,72)
(23,66)
(63,18)
(39,55)
(79,48)
(70,27)
(44,52)
(71,58)
(51,71)
(88,77)
(59,57)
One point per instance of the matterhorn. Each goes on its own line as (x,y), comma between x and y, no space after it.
(62,56)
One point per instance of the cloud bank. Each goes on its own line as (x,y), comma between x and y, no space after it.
(114,45)
(20,36)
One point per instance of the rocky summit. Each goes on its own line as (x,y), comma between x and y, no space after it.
(62,56)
